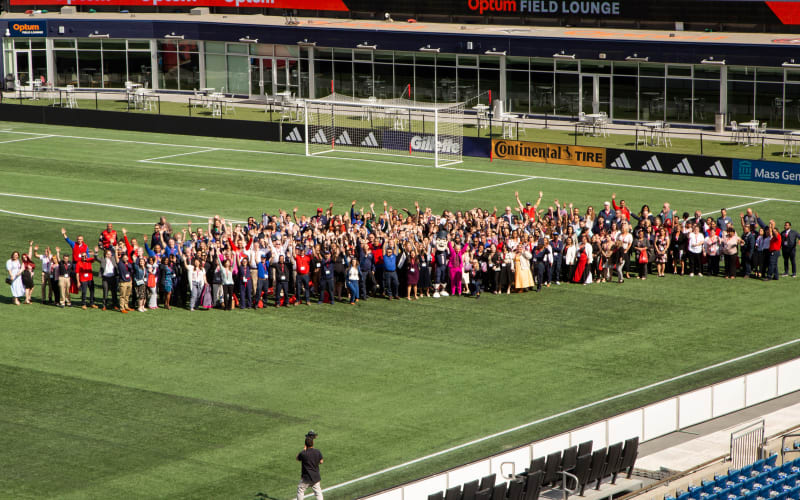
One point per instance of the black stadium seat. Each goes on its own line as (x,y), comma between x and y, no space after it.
(487,481)
(515,490)
(596,467)
(585,448)
(499,491)
(436,496)
(533,486)
(582,471)
(613,460)
(551,468)
(453,493)
(629,455)
(537,465)
(569,458)
(484,494)
(469,490)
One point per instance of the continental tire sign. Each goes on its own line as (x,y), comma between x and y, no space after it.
(540,152)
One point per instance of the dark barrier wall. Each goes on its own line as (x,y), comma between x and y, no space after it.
(140,122)
(766,171)
(669,163)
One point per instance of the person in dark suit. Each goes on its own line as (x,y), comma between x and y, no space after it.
(789,248)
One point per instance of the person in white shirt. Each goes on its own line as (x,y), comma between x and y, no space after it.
(48,290)
(696,240)
(624,242)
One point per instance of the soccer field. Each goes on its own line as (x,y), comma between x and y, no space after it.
(169,404)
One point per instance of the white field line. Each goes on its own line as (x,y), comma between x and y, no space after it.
(179,154)
(739,206)
(563,413)
(496,185)
(25,139)
(406,164)
(291,174)
(34,216)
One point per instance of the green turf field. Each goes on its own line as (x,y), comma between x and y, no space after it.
(172,404)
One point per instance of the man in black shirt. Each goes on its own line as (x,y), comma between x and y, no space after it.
(309,458)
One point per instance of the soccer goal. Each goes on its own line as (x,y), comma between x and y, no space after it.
(420,133)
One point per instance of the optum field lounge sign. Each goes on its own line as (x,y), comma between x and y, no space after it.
(559,154)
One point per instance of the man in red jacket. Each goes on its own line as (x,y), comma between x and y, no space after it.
(303,266)
(108,238)
(83,270)
(78,247)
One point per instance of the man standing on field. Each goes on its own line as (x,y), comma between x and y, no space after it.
(309,458)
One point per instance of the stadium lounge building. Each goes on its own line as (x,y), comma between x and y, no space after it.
(632,74)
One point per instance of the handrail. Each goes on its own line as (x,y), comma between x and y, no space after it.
(564,489)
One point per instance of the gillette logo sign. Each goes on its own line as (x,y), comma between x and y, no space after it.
(426,144)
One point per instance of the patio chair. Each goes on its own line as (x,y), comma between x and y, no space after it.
(735,132)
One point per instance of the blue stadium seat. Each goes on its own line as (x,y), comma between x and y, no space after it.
(735,492)
(684,496)
(794,493)
(746,472)
(723,493)
(772,460)
(750,496)
(749,485)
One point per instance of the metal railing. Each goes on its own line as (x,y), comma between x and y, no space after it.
(747,444)
(106,100)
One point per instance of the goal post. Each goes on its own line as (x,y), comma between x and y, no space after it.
(412,132)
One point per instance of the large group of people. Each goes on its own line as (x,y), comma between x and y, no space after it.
(288,259)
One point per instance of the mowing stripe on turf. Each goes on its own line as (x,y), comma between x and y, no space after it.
(405,164)
(562,414)
(34,216)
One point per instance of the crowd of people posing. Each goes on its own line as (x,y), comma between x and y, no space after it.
(287,259)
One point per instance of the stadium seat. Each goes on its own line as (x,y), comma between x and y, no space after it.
(585,448)
(488,481)
(707,489)
(533,486)
(759,465)
(794,493)
(436,496)
(582,471)
(469,490)
(750,496)
(453,493)
(569,458)
(748,486)
(483,494)
(745,472)
(684,496)
(515,490)
(613,461)
(629,456)
(537,465)
(499,491)
(596,467)
(551,468)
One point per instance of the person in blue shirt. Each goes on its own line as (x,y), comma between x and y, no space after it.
(390,281)
(262,285)
(326,277)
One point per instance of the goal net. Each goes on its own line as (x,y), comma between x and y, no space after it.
(418,132)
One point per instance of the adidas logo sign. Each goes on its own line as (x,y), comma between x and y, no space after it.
(716,170)
(294,136)
(652,165)
(319,138)
(344,139)
(683,167)
(621,162)
(370,141)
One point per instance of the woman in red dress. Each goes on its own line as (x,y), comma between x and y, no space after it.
(580,267)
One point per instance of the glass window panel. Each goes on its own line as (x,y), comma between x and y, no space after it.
(679,70)
(624,101)
(404,57)
(792,75)
(362,55)
(566,65)
(216,72)
(237,48)
(740,101)
(446,84)
(769,103)
(238,75)
(542,92)
(323,74)
(490,61)
(60,43)
(304,75)
(136,45)
(190,70)
(364,84)
(343,54)
(188,46)
(113,44)
(518,91)
(66,67)
(425,58)
(290,51)
(446,60)
(90,68)
(769,74)
(38,43)
(539,64)
(326,54)
(384,82)
(792,113)
(679,101)
(626,68)
(423,87)
(596,67)
(651,98)
(88,43)
(115,71)
(707,71)
(467,84)
(741,73)
(215,47)
(343,77)
(522,63)
(384,56)
(567,93)
(707,104)
(651,69)
(489,80)
(257,49)
(467,60)
(22,44)
(403,77)
(39,69)
(168,70)
(139,68)
(168,45)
